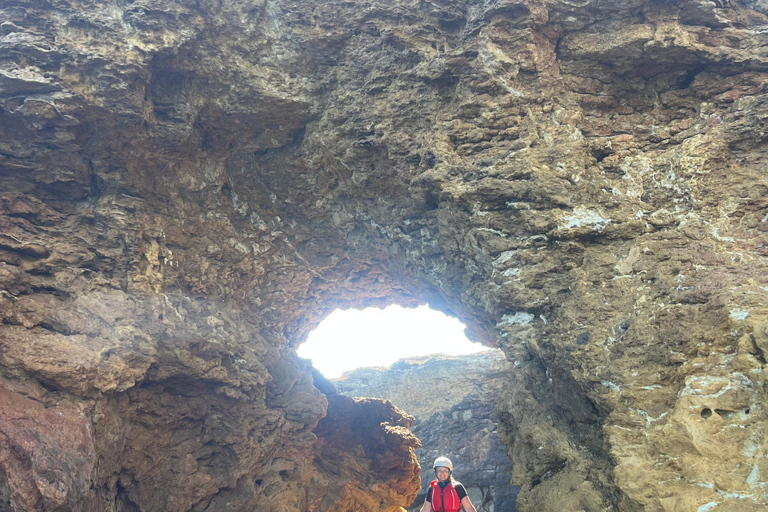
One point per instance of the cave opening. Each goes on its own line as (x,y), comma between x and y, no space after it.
(420,360)
(348,339)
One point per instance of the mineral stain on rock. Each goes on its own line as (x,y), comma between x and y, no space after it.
(188,188)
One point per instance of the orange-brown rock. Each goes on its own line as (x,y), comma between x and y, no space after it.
(368,441)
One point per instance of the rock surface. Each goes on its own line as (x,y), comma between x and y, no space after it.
(452,399)
(187,188)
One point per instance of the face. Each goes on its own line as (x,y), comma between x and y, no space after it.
(443,474)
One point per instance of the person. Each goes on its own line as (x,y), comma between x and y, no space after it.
(446,494)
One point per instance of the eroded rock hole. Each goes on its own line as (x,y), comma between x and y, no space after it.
(725,414)
(349,339)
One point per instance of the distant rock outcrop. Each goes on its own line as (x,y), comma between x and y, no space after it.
(452,399)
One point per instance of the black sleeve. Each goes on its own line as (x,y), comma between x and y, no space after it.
(429,494)
(460,490)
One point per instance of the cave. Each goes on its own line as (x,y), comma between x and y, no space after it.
(188,188)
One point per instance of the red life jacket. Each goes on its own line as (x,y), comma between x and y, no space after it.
(444,499)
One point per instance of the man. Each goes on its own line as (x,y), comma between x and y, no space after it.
(446,494)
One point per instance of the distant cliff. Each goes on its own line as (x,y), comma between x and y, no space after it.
(452,399)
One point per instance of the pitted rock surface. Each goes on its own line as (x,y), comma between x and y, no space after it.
(187,188)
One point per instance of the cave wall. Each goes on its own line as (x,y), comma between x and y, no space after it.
(186,188)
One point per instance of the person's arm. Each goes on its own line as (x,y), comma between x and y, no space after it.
(467,505)
(427,507)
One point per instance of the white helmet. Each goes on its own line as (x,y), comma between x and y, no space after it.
(443,462)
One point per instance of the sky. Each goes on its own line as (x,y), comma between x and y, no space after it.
(349,339)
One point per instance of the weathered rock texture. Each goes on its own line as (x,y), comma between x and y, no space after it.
(452,400)
(188,187)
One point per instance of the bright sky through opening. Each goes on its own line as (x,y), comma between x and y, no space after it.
(349,339)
